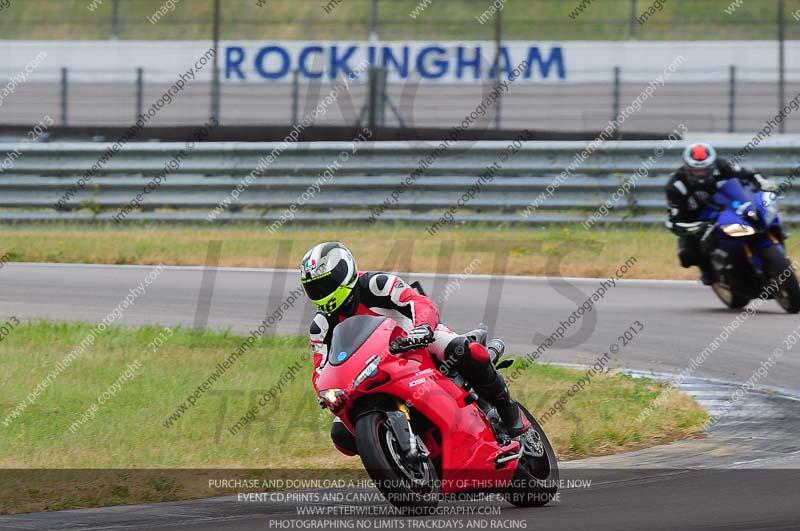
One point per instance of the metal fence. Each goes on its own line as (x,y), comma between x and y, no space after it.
(732,105)
(365,185)
(733,102)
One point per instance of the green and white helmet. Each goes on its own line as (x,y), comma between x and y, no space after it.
(328,273)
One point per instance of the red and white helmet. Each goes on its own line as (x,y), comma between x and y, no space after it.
(700,161)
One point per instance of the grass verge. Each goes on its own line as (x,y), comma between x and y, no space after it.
(135,458)
(554,20)
(561,250)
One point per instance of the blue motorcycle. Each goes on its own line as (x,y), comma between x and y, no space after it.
(741,230)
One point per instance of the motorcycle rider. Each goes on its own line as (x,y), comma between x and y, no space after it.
(690,189)
(333,283)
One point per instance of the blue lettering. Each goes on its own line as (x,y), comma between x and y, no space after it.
(462,62)
(442,64)
(305,70)
(432,62)
(341,62)
(388,56)
(556,59)
(259,62)
(234,57)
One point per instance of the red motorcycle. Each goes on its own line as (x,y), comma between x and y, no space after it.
(422,435)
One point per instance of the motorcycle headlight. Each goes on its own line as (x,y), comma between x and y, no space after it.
(736,230)
(335,398)
(370,371)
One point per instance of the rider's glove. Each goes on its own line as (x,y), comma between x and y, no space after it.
(766,184)
(769,185)
(422,334)
(419,336)
(694,228)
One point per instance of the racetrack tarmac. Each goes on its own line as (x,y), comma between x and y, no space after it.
(680,318)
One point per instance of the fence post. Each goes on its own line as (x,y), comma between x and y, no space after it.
(64,95)
(382,79)
(215,95)
(115,20)
(498,43)
(616,94)
(374,97)
(497,111)
(139,91)
(295,96)
(732,100)
(781,64)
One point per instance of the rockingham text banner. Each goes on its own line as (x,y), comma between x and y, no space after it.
(414,61)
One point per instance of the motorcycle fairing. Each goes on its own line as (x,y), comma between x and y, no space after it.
(736,200)
(468,444)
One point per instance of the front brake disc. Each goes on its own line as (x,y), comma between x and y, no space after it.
(532,444)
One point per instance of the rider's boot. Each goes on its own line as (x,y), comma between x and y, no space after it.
(474,364)
(498,395)
(707,274)
(707,277)
(513,416)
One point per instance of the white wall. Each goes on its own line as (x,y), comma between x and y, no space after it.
(442,62)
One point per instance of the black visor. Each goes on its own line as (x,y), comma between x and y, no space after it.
(324,285)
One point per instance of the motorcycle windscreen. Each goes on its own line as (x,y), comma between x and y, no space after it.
(350,334)
(733,191)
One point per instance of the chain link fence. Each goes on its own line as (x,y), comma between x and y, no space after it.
(732,106)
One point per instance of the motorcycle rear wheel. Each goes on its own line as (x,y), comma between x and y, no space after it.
(536,479)
(411,487)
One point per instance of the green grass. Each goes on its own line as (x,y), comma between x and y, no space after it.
(556,250)
(531,20)
(292,432)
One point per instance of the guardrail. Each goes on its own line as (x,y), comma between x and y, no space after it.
(366,178)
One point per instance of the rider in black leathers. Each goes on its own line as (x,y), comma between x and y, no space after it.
(691,188)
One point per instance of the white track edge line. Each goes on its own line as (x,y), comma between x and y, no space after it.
(284,270)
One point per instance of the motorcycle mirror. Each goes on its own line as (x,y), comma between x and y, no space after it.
(418,288)
(508,362)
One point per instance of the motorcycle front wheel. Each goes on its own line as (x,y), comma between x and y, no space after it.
(412,487)
(776,265)
(732,300)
